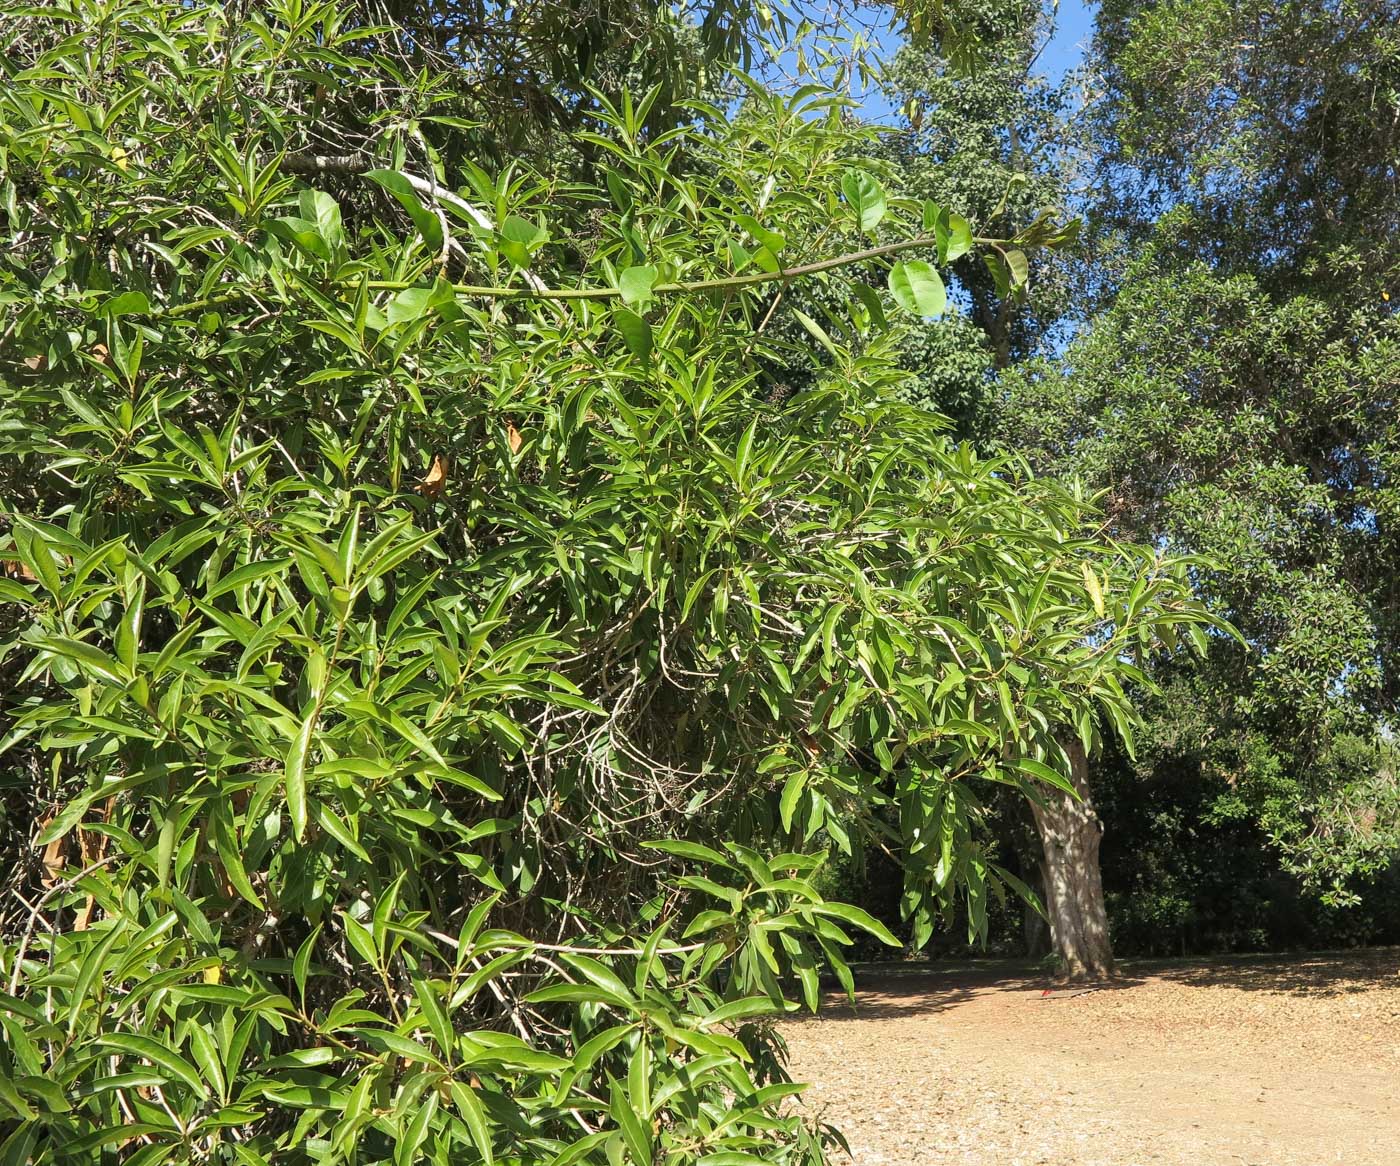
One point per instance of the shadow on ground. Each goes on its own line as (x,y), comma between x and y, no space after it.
(1304,974)
(925,988)
(921,989)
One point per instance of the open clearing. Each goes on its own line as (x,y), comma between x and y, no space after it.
(1277,1061)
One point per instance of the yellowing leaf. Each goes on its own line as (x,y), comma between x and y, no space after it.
(1091,584)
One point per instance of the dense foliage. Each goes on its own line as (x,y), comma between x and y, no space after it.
(991,143)
(1217,842)
(434,668)
(1234,396)
(1272,121)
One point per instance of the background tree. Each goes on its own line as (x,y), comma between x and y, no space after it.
(991,144)
(1272,122)
(1234,394)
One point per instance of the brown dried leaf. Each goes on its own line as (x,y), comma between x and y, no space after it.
(83,919)
(434,483)
(93,843)
(55,856)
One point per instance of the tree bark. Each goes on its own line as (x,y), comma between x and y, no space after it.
(1070,832)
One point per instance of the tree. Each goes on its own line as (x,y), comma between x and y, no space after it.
(993,143)
(1261,450)
(1272,122)
(990,143)
(1233,393)
(1070,833)
(433,673)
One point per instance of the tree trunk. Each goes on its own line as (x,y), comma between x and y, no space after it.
(1069,833)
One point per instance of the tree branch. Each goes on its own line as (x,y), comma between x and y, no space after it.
(356,164)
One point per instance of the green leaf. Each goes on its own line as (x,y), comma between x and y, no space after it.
(596,1045)
(413,303)
(1043,772)
(738,1009)
(12,592)
(692,850)
(617,188)
(295,770)
(474,1115)
(816,331)
(132,303)
(323,213)
(361,938)
(636,332)
(524,232)
(428,225)
(18,1107)
(793,789)
(228,851)
(301,963)
(634,1128)
(176,1067)
(870,301)
(856,916)
(954,235)
(1018,267)
(584,1146)
(68,817)
(405,729)
(866,198)
(635,284)
(598,973)
(248,573)
(761,234)
(83,653)
(917,288)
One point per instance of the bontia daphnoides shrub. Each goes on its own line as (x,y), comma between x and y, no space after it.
(433,668)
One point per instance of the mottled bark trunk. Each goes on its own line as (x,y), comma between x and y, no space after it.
(1069,833)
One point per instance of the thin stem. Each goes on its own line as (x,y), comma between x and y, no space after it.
(612,293)
(483,291)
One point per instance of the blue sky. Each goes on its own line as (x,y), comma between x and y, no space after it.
(1074,26)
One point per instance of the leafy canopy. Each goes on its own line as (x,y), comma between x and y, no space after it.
(433,672)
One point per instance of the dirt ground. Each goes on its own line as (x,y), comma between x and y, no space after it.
(1264,1061)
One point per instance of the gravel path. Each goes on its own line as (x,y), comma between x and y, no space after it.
(1266,1062)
